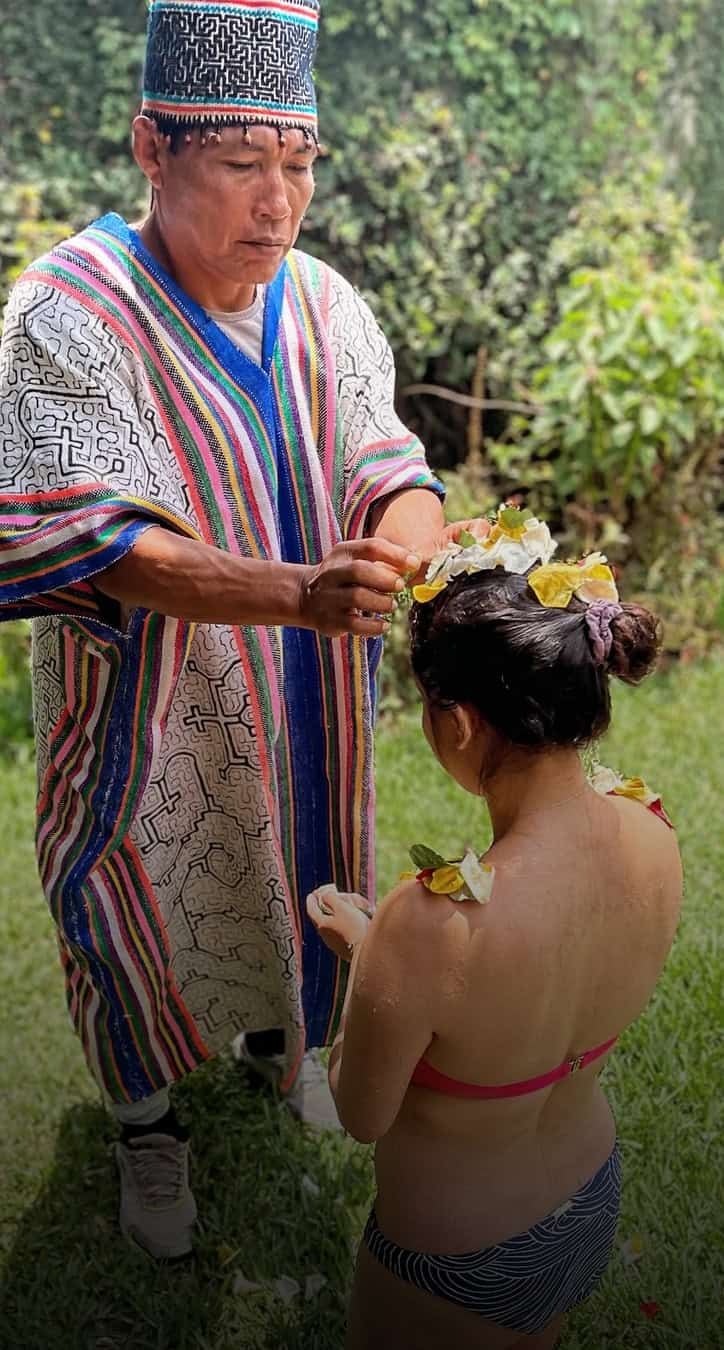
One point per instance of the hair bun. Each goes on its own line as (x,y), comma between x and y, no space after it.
(636,643)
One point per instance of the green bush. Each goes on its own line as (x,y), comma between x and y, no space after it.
(25,232)
(459,134)
(627,450)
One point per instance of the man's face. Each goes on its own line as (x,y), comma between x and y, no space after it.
(233,207)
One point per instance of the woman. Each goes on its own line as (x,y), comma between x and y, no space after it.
(517,971)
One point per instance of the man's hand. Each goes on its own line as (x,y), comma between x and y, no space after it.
(356,579)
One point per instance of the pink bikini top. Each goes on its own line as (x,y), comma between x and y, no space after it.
(428,1077)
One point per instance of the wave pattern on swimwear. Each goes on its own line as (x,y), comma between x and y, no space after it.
(527,1281)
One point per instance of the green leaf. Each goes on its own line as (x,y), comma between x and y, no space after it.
(424,857)
(611,348)
(683,352)
(512,518)
(656,331)
(621,434)
(612,406)
(683,421)
(466,539)
(650,419)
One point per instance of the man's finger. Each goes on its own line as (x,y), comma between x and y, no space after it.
(376,576)
(370,602)
(403,560)
(368,628)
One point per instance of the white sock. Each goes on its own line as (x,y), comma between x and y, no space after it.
(146,1112)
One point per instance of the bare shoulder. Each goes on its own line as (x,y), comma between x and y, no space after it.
(654,867)
(412,916)
(433,935)
(649,833)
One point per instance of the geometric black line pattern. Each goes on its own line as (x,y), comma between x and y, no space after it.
(209,55)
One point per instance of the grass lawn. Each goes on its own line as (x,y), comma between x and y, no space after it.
(70,1283)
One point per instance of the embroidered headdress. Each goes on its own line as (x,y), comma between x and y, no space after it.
(240,62)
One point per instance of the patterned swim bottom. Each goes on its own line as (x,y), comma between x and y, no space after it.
(527,1281)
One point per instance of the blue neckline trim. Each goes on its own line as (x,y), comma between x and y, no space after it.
(253,379)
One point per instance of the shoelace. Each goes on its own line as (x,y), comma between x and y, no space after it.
(160,1171)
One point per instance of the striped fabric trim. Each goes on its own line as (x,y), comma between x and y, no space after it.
(240,109)
(288,8)
(525,1283)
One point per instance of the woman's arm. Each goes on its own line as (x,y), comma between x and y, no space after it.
(387,1021)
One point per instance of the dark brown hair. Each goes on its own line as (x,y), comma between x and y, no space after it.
(528,670)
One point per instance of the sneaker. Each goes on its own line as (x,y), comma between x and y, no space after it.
(309,1098)
(158,1210)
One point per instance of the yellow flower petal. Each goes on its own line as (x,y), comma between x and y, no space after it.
(427,591)
(636,789)
(597,583)
(554,584)
(445,881)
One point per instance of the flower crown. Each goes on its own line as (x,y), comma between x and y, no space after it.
(516,541)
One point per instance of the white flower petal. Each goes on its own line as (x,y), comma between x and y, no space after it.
(633,1249)
(513,555)
(478,878)
(243,1286)
(312,1286)
(537,541)
(286,1288)
(604,780)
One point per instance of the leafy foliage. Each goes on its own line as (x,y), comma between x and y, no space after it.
(460,133)
(627,450)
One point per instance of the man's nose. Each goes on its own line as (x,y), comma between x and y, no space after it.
(272,201)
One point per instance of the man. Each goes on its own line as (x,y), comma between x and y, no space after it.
(207,503)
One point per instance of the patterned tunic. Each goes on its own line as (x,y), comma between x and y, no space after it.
(195,781)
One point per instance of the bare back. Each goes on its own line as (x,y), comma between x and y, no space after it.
(565,956)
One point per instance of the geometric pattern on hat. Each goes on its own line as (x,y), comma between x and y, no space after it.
(242,61)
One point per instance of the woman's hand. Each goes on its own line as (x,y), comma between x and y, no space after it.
(450,534)
(340,918)
(479,528)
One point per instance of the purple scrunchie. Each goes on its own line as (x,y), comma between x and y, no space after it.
(599,617)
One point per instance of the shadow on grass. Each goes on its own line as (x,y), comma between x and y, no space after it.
(72,1283)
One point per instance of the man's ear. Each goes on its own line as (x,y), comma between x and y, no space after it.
(149,149)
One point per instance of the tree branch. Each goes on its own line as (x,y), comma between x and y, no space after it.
(467,401)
